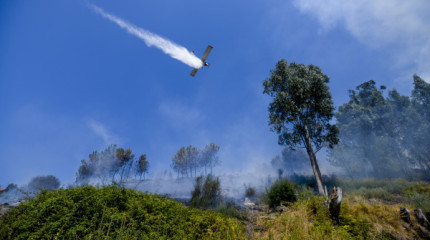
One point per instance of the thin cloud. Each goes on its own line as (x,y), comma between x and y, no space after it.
(179,114)
(101,131)
(399,25)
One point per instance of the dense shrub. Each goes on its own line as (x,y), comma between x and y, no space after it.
(281,190)
(207,195)
(88,212)
(249,191)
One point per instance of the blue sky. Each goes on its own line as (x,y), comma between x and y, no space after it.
(72,82)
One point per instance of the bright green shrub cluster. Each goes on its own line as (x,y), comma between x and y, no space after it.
(281,190)
(88,212)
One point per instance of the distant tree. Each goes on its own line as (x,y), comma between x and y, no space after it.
(208,157)
(143,165)
(378,134)
(108,163)
(123,162)
(49,182)
(11,186)
(179,162)
(192,158)
(421,103)
(291,161)
(301,110)
(85,171)
(186,160)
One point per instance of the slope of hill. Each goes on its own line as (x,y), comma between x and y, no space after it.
(88,212)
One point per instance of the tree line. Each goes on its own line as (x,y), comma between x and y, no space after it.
(112,164)
(384,135)
(374,135)
(190,160)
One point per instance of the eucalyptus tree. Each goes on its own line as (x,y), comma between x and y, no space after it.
(142,166)
(186,160)
(301,110)
(208,157)
(421,102)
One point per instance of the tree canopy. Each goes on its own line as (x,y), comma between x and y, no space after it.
(111,163)
(191,159)
(301,109)
(384,136)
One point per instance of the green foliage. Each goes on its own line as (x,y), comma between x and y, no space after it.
(282,190)
(229,208)
(301,109)
(88,212)
(207,195)
(419,196)
(351,224)
(420,200)
(302,104)
(378,135)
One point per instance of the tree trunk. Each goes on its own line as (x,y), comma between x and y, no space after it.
(314,162)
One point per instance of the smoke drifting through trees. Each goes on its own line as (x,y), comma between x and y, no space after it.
(111,164)
(384,136)
(291,162)
(190,159)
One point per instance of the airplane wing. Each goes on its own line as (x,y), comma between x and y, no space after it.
(203,58)
(206,53)
(193,73)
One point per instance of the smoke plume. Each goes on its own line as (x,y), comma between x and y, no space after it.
(170,48)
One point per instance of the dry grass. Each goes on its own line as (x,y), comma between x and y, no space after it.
(360,219)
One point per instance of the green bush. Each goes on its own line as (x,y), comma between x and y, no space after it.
(282,190)
(88,212)
(207,195)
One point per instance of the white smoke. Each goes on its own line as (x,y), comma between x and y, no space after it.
(172,49)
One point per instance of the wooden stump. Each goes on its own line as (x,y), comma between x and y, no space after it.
(422,219)
(405,215)
(335,202)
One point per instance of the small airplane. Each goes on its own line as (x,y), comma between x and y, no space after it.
(203,58)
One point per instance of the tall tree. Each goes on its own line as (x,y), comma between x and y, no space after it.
(301,110)
(142,166)
(179,162)
(421,102)
(123,162)
(192,159)
(208,156)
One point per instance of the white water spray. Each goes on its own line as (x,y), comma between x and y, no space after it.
(172,49)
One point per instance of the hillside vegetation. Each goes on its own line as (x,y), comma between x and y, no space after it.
(370,210)
(88,212)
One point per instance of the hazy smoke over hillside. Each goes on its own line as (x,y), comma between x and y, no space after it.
(151,39)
